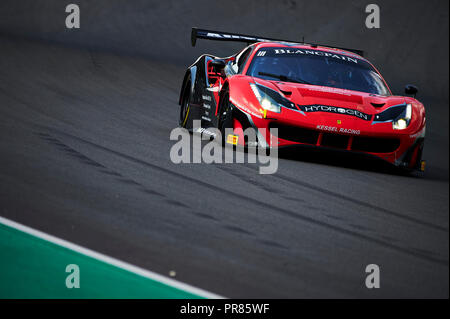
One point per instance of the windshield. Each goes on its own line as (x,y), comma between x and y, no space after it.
(317,68)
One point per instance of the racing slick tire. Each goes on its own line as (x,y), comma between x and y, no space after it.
(225,119)
(185,104)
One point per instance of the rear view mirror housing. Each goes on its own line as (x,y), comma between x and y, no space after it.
(411,90)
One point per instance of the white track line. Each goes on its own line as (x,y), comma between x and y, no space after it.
(110,260)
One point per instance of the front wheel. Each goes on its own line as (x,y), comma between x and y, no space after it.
(185,105)
(225,120)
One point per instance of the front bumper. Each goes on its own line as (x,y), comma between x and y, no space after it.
(402,149)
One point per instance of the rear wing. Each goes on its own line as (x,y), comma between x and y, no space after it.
(249,39)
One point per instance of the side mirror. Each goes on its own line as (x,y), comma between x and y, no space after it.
(411,90)
(218,65)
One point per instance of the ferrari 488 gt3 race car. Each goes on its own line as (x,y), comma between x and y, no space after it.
(314,95)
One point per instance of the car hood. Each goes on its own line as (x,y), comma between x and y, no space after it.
(303,94)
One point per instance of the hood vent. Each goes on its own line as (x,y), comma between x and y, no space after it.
(327,94)
(286,90)
(286,93)
(377,105)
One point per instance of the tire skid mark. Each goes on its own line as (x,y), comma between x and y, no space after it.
(269,189)
(94,60)
(112,173)
(206,216)
(274,244)
(250,180)
(363,228)
(151,192)
(128,181)
(341,219)
(425,252)
(389,239)
(237,229)
(294,199)
(286,212)
(312,207)
(176,203)
(105,170)
(356,201)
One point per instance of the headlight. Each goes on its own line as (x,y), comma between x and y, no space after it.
(270,99)
(402,122)
(399,115)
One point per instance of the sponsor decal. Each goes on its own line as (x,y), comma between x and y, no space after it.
(244,109)
(421,133)
(203,130)
(334,109)
(423,164)
(315,52)
(264,112)
(349,131)
(234,36)
(327,128)
(213,89)
(330,90)
(232,139)
(338,130)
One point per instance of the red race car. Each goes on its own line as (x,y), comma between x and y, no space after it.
(314,95)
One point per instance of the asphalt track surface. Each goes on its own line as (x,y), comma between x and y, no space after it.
(85,157)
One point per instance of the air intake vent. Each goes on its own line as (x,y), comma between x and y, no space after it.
(378,105)
(296,134)
(335,140)
(375,144)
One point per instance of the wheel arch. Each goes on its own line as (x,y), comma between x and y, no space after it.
(192,72)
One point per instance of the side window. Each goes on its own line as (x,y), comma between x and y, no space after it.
(242,59)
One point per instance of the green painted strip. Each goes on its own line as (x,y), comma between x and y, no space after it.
(31,267)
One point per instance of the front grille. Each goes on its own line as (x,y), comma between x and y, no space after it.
(296,134)
(360,143)
(375,144)
(334,140)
